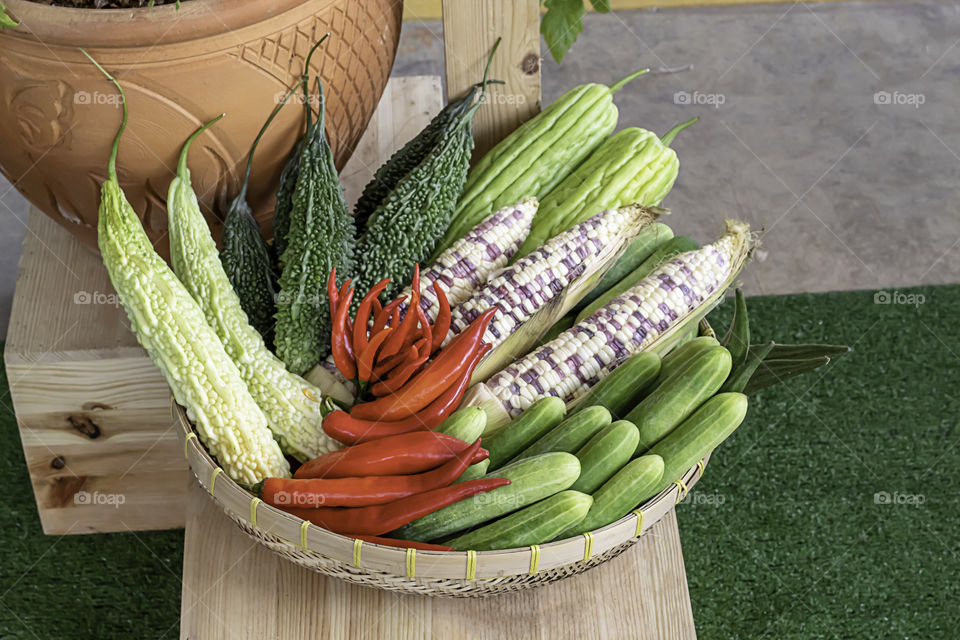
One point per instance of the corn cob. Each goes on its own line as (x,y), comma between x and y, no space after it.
(466,266)
(547,283)
(643,318)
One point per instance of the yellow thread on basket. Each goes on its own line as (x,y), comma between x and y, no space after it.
(357,545)
(303,534)
(587,545)
(186,442)
(683,490)
(534,559)
(253,511)
(213,478)
(701,465)
(639,530)
(471,565)
(411,562)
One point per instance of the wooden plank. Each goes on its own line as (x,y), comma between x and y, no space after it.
(234,588)
(470,29)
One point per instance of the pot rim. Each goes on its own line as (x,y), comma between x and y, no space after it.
(141,27)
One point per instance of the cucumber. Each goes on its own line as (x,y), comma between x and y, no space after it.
(474,471)
(531,480)
(466,424)
(648,241)
(571,434)
(619,495)
(624,388)
(683,354)
(679,396)
(699,434)
(538,523)
(540,418)
(604,454)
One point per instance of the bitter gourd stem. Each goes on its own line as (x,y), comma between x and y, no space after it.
(468,114)
(112,163)
(620,84)
(305,76)
(256,141)
(182,164)
(670,135)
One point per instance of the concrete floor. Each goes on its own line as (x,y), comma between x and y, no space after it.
(795,135)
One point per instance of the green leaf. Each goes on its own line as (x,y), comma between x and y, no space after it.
(561,25)
(601,6)
(6,22)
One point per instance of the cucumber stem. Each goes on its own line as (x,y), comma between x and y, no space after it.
(182,163)
(256,141)
(670,135)
(112,163)
(620,84)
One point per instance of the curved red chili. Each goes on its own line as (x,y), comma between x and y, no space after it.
(399,376)
(344,428)
(383,316)
(441,326)
(366,359)
(362,318)
(381,369)
(343,355)
(332,291)
(395,343)
(380,519)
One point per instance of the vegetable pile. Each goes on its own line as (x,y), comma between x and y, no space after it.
(472,359)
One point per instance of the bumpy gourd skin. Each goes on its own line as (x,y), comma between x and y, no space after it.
(281,214)
(173,330)
(389,175)
(246,261)
(291,405)
(404,230)
(322,236)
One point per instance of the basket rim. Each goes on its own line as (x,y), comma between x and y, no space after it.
(304,536)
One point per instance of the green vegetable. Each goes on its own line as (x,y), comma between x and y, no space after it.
(322,236)
(533,159)
(631,167)
(466,424)
(6,22)
(171,327)
(803,351)
(245,256)
(540,418)
(771,372)
(740,375)
(561,24)
(604,454)
(531,480)
(737,340)
(665,252)
(630,486)
(401,163)
(293,407)
(622,390)
(642,247)
(536,524)
(684,354)
(678,396)
(699,434)
(475,471)
(571,434)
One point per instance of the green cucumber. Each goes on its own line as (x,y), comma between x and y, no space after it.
(649,240)
(699,434)
(619,495)
(474,471)
(466,424)
(679,396)
(531,480)
(683,354)
(540,418)
(604,454)
(624,387)
(536,524)
(571,434)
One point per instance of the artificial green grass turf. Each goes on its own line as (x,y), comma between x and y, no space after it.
(797,549)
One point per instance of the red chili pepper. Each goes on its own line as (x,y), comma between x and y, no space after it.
(430,383)
(426,332)
(396,342)
(441,408)
(332,291)
(343,427)
(377,308)
(380,519)
(383,317)
(365,361)
(397,455)
(441,326)
(362,319)
(363,491)
(343,355)
(381,369)
(399,376)
(403,544)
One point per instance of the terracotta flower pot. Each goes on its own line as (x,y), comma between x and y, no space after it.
(179,69)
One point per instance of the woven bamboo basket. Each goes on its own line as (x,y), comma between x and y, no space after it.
(460,574)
